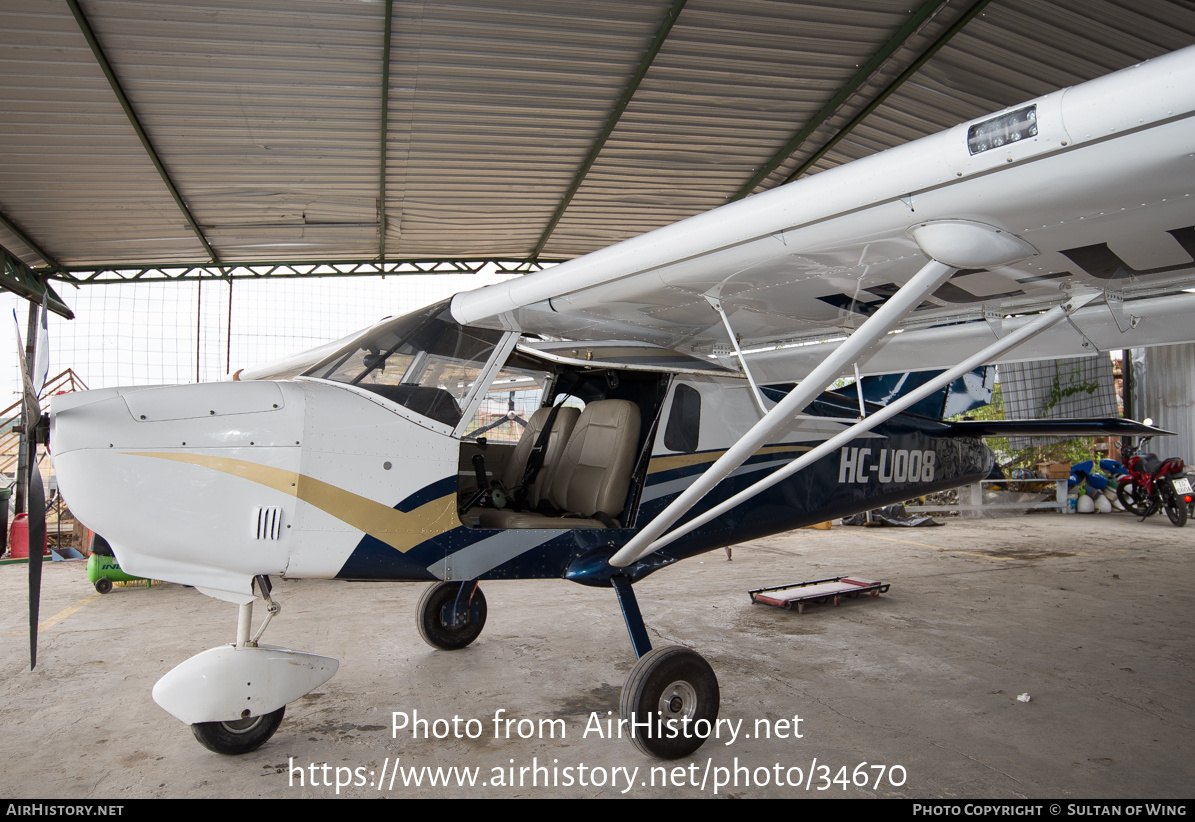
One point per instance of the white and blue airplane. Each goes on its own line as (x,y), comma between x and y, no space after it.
(682,382)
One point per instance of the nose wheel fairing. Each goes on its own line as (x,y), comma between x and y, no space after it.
(230,684)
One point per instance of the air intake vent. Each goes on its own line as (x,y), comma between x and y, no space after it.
(267,523)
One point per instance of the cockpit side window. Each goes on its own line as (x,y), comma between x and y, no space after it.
(684,420)
(426,362)
(514,395)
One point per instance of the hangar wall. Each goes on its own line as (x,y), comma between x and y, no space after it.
(1169,397)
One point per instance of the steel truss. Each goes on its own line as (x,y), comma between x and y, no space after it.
(18,278)
(281,270)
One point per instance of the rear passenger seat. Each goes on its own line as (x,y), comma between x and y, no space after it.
(590,476)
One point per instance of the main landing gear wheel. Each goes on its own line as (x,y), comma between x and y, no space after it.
(239,736)
(677,689)
(437,607)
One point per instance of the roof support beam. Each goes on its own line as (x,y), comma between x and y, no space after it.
(20,234)
(21,280)
(185,272)
(123,99)
(910,26)
(611,121)
(942,40)
(384,130)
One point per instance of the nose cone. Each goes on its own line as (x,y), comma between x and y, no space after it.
(178,479)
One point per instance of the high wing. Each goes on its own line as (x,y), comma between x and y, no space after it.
(1094,180)
(1068,208)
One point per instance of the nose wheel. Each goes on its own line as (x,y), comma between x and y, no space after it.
(240,736)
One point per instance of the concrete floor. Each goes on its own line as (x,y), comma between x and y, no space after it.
(1089,615)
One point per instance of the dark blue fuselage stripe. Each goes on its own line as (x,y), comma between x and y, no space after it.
(439,488)
(810,496)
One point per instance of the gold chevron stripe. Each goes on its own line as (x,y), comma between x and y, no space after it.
(685,460)
(401,531)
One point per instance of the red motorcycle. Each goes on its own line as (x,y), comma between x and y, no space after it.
(1154,484)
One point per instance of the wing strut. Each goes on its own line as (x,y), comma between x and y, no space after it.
(738,352)
(1047,320)
(949,245)
(910,295)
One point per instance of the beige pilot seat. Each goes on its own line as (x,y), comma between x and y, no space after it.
(590,476)
(516,466)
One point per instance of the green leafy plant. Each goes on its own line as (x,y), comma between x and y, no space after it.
(1059,392)
(1070,451)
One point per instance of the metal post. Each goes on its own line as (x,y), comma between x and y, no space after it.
(198,324)
(228,333)
(976,500)
(1126,388)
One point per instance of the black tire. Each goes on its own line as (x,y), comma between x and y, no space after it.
(434,615)
(1176,509)
(1134,499)
(240,736)
(103,585)
(666,687)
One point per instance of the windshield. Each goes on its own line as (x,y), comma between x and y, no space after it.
(426,362)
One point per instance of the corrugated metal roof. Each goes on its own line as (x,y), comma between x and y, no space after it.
(266,114)
(1012,51)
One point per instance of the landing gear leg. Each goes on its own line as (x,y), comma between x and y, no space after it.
(234,696)
(671,697)
(241,736)
(245,614)
(631,614)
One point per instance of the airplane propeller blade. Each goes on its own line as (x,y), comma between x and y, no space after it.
(35,495)
(36,498)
